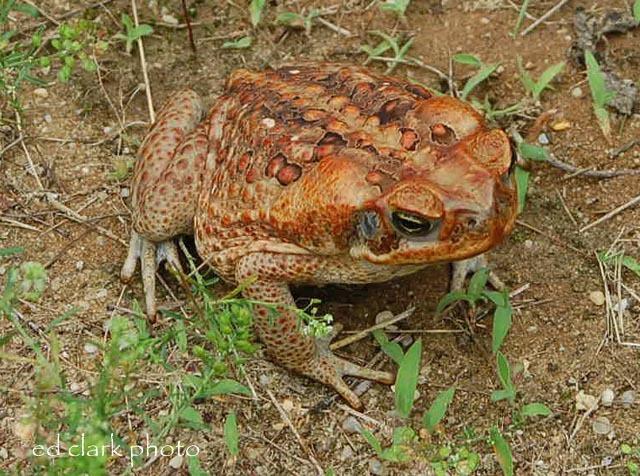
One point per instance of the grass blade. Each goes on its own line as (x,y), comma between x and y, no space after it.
(501,326)
(407,379)
(503,452)
(522,13)
(438,409)
(231,434)
(522,184)
(477,78)
(255,11)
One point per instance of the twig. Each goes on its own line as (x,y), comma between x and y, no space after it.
(42,12)
(535,24)
(301,442)
(566,209)
(362,334)
(612,213)
(358,414)
(600,174)
(334,27)
(581,421)
(623,148)
(10,145)
(143,65)
(185,11)
(32,168)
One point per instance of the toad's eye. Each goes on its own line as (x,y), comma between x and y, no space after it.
(412,225)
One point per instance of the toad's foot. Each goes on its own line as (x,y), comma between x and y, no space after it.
(461,269)
(280,329)
(150,255)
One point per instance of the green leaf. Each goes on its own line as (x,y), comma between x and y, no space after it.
(451,297)
(194,467)
(533,152)
(503,452)
(535,409)
(397,6)
(501,326)
(636,10)
(192,417)
(181,336)
(631,264)
(466,58)
(504,375)
(12,250)
(599,92)
(255,10)
(140,31)
(241,43)
(438,409)
(26,9)
(522,184)
(545,78)
(499,298)
(498,395)
(478,282)
(477,78)
(372,440)
(231,434)
(223,387)
(392,349)
(290,19)
(407,379)
(521,14)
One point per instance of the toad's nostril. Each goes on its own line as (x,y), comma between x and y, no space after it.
(472,223)
(442,134)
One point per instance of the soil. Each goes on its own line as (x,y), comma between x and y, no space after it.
(558,332)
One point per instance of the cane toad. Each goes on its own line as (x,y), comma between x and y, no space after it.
(316,174)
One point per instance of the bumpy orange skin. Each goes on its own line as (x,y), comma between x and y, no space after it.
(275,182)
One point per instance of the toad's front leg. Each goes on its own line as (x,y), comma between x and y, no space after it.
(282,335)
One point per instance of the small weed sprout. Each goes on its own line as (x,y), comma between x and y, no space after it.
(131,32)
(256,7)
(632,456)
(399,7)
(521,15)
(536,88)
(388,43)
(296,20)
(239,44)
(483,73)
(503,451)
(521,175)
(231,434)
(491,113)
(599,92)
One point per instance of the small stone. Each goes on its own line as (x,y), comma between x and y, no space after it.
(528,244)
(125,192)
(170,19)
(74,387)
(607,397)
(176,461)
(79,265)
(101,294)
(485,21)
(4,454)
(41,92)
(577,92)
(627,398)
(597,297)
(47,118)
(601,426)
(351,425)
(544,139)
(264,379)
(347,453)
(90,348)
(383,316)
(268,122)
(585,402)
(287,405)
(376,467)
(278,426)
(561,125)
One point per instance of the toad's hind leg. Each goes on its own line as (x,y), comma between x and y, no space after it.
(282,335)
(165,187)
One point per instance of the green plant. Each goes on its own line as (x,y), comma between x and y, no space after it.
(503,451)
(388,43)
(627,261)
(484,71)
(256,8)
(477,293)
(521,14)
(535,88)
(400,448)
(599,92)
(397,6)
(451,459)
(296,20)
(636,10)
(121,169)
(407,379)
(239,44)
(521,175)
(131,32)
(438,409)
(632,455)
(231,434)
(491,113)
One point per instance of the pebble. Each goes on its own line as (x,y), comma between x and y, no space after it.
(561,125)
(170,19)
(176,461)
(544,139)
(597,297)
(376,467)
(347,453)
(79,265)
(90,348)
(627,398)
(47,118)
(74,387)
(351,425)
(287,405)
(41,92)
(607,397)
(101,294)
(577,92)
(601,426)
(4,454)
(125,192)
(264,379)
(585,402)
(383,316)
(528,244)
(485,21)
